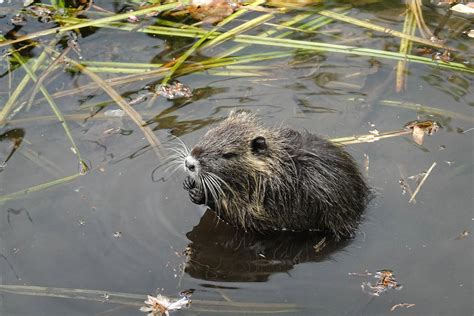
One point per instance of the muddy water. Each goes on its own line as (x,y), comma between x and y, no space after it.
(122,229)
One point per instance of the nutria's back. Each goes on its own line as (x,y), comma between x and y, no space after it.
(275,179)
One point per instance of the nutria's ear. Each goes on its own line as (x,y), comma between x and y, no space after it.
(259,145)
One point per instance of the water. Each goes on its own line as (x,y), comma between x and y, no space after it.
(117,230)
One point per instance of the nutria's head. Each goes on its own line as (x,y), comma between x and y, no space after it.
(238,146)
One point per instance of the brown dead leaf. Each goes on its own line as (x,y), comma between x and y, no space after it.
(212,11)
(420,128)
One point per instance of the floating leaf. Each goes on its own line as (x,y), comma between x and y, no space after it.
(420,128)
(211,11)
(175,90)
(161,305)
(385,281)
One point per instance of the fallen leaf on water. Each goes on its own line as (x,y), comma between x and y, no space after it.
(161,305)
(420,128)
(406,305)
(211,11)
(385,281)
(417,177)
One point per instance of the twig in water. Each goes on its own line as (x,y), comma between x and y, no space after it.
(421,182)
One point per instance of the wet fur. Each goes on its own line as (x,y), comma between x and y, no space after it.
(298,182)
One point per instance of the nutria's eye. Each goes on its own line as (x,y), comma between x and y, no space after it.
(259,145)
(229,155)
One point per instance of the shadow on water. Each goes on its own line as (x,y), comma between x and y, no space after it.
(220,252)
(14,137)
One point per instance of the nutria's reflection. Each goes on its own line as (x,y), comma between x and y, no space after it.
(219,252)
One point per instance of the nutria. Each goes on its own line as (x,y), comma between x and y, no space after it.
(263,180)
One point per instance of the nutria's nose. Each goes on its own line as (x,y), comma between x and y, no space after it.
(190,163)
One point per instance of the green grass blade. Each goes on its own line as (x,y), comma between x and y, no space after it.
(352,50)
(238,30)
(279,41)
(420,108)
(378,28)
(43,186)
(196,45)
(55,110)
(7,108)
(409,27)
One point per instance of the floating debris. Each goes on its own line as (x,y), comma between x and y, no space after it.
(366,163)
(404,186)
(385,281)
(420,128)
(18,20)
(361,274)
(422,182)
(118,234)
(161,305)
(133,18)
(463,235)
(320,245)
(444,56)
(139,99)
(406,305)
(469,33)
(466,10)
(175,90)
(114,113)
(211,11)
(43,13)
(417,177)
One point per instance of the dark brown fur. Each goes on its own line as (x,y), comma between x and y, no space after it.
(263,179)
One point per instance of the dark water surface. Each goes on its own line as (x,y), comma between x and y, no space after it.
(117,230)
